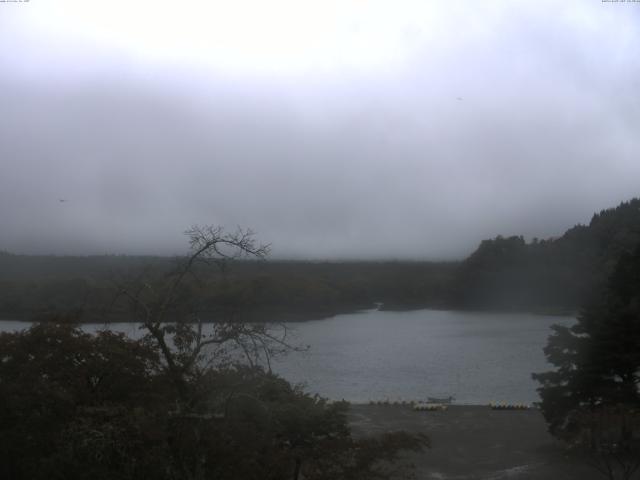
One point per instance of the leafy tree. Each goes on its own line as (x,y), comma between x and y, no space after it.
(74,404)
(103,406)
(178,404)
(592,399)
(307,429)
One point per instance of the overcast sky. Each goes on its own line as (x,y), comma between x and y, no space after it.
(335,129)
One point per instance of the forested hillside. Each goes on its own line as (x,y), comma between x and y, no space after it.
(548,275)
(505,273)
(32,286)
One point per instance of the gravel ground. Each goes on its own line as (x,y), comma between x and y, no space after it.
(475,442)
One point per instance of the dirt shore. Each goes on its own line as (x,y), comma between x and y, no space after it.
(475,442)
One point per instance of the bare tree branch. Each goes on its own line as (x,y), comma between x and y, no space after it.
(183,344)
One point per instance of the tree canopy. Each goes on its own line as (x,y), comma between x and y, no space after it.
(177,404)
(592,399)
(552,275)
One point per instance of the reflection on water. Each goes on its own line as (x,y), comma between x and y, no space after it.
(375,355)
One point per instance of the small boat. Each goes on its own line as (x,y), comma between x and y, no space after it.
(446,401)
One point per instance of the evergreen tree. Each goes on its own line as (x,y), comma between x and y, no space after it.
(592,400)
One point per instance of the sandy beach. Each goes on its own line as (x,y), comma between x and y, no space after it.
(475,442)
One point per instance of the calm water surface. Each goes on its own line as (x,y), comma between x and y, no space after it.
(376,355)
(477,357)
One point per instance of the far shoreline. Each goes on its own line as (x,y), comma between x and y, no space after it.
(284,316)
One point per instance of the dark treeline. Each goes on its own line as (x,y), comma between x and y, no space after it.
(36,286)
(553,275)
(505,273)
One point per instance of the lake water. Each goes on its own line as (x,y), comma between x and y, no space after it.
(378,355)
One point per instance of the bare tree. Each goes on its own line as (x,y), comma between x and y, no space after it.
(176,327)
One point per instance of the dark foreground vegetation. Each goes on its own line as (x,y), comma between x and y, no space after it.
(505,273)
(178,403)
(77,406)
(591,400)
(183,404)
